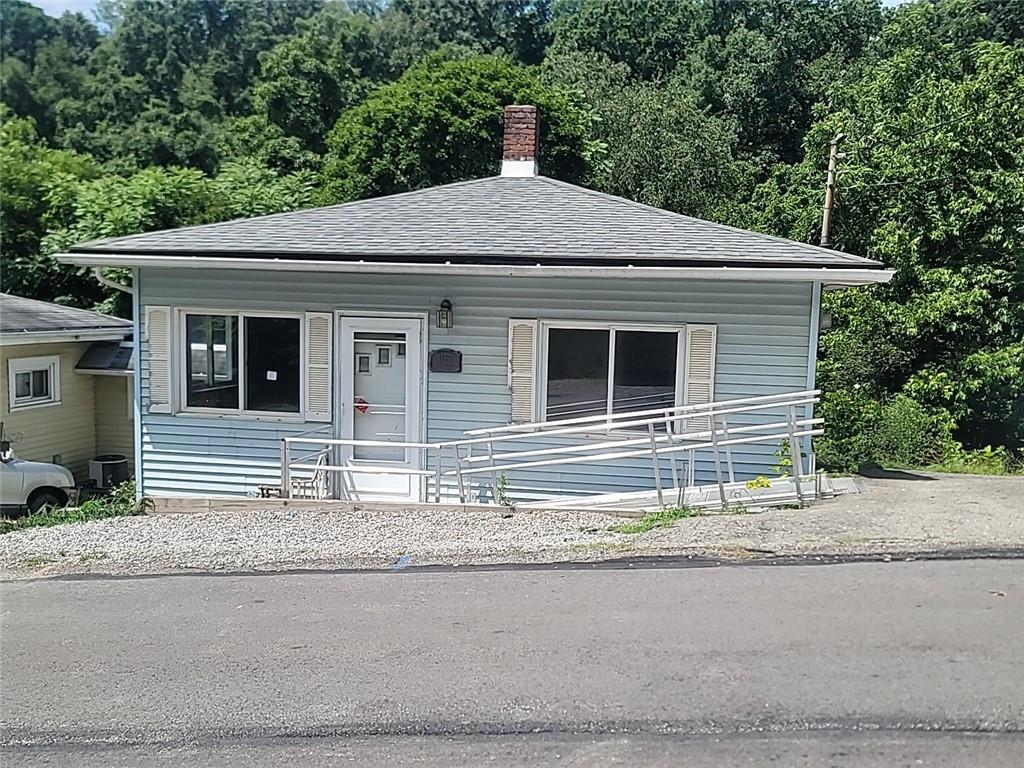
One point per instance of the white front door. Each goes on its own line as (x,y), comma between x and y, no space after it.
(379,400)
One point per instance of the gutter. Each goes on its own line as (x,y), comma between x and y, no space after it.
(838,276)
(53,337)
(102,279)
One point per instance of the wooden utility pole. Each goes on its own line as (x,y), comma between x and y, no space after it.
(830,187)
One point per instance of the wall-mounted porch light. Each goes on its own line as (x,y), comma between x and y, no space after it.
(445,315)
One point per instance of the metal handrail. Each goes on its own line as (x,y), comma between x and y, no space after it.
(717,436)
(690,411)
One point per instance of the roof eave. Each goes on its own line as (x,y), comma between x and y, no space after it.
(14,338)
(837,275)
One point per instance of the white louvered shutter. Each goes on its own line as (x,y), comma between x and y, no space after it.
(699,380)
(158,336)
(318,366)
(522,369)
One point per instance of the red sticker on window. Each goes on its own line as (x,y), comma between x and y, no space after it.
(361,405)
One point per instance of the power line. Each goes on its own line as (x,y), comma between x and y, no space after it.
(904,182)
(910,182)
(867,144)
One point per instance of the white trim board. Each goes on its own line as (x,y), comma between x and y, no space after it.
(826,276)
(62,337)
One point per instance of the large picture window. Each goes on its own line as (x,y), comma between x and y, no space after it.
(596,371)
(240,362)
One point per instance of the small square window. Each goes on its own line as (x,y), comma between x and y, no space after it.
(34,381)
(362,363)
(384,356)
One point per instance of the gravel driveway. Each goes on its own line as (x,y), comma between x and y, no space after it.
(948,512)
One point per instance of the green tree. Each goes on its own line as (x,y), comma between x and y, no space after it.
(933,185)
(31,172)
(442,122)
(650,37)
(308,80)
(648,142)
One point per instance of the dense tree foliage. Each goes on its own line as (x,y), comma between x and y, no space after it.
(162,113)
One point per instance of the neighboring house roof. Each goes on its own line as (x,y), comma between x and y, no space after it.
(498,220)
(111,357)
(27,321)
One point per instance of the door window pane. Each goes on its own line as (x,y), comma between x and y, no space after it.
(272,357)
(645,370)
(212,361)
(577,372)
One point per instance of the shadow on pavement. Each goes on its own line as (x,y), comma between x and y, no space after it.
(881,473)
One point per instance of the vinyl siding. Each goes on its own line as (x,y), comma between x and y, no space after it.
(114,428)
(763,336)
(66,429)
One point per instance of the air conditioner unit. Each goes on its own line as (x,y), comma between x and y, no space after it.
(109,470)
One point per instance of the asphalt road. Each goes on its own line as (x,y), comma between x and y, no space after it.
(865,664)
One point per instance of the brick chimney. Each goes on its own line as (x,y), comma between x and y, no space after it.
(519,147)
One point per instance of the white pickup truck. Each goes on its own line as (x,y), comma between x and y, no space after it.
(31,485)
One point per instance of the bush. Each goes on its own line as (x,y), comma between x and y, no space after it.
(900,432)
(907,435)
(982,461)
(850,416)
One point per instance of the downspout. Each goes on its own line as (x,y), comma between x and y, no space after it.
(132,291)
(105,281)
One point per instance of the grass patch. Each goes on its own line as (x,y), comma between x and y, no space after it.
(982,461)
(36,561)
(663,518)
(120,502)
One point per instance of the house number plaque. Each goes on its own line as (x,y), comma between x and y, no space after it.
(445,361)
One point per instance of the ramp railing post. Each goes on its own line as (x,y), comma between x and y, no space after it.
(458,473)
(794,454)
(718,461)
(657,466)
(494,474)
(437,476)
(728,452)
(671,454)
(286,481)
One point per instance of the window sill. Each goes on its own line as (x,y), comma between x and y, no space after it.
(33,406)
(216,413)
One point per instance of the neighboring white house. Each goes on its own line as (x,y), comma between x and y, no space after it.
(66,383)
(419,316)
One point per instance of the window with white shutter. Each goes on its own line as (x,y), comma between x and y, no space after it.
(699,377)
(522,369)
(158,336)
(318,366)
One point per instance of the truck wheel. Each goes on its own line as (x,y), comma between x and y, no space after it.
(46,498)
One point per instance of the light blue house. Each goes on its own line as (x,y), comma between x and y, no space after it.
(417,317)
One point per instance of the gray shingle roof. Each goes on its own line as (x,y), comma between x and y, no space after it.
(21,315)
(493,220)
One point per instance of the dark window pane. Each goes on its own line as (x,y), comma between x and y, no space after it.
(272,350)
(577,373)
(645,370)
(41,383)
(23,384)
(212,361)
